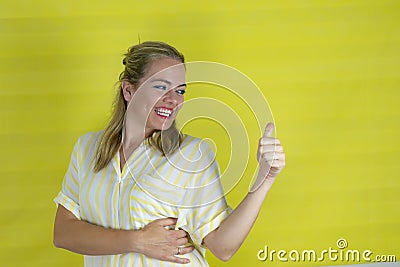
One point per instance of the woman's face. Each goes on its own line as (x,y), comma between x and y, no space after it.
(154,104)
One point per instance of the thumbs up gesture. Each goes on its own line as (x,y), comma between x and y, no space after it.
(271,158)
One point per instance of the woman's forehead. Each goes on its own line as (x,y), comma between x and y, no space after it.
(166,69)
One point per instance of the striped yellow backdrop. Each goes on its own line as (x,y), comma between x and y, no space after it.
(329,69)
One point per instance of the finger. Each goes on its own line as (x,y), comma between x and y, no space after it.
(269,141)
(186,250)
(181,241)
(166,221)
(179,234)
(273,156)
(268,130)
(178,260)
(270,148)
(278,164)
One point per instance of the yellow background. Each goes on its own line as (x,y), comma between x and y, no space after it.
(330,72)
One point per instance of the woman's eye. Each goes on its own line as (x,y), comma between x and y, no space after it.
(181,92)
(161,87)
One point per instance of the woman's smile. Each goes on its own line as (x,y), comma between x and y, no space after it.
(163,112)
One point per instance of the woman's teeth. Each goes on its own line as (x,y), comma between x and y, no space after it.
(163,112)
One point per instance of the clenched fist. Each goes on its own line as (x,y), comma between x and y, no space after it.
(271,158)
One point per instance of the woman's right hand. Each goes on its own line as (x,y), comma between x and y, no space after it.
(155,240)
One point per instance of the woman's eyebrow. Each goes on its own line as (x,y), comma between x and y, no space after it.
(161,80)
(181,85)
(168,82)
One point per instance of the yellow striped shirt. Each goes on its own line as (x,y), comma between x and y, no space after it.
(184,185)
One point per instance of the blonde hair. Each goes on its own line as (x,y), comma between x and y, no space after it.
(136,62)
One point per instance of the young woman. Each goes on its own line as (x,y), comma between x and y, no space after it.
(140,193)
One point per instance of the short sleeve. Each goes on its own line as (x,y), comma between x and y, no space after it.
(69,194)
(209,207)
(207,218)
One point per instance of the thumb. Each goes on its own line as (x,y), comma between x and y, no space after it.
(269,129)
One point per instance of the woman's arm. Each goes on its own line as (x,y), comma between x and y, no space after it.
(224,241)
(154,240)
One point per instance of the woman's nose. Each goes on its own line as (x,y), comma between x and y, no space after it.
(171,97)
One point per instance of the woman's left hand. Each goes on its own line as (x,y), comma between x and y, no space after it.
(225,240)
(270,156)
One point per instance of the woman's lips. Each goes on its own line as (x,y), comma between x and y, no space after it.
(163,112)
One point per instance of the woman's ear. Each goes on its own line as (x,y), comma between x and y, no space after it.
(127,90)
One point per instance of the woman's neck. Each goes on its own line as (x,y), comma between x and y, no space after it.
(132,138)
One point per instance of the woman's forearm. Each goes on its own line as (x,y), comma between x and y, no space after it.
(153,240)
(89,239)
(226,240)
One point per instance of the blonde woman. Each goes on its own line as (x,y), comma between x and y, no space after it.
(134,196)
